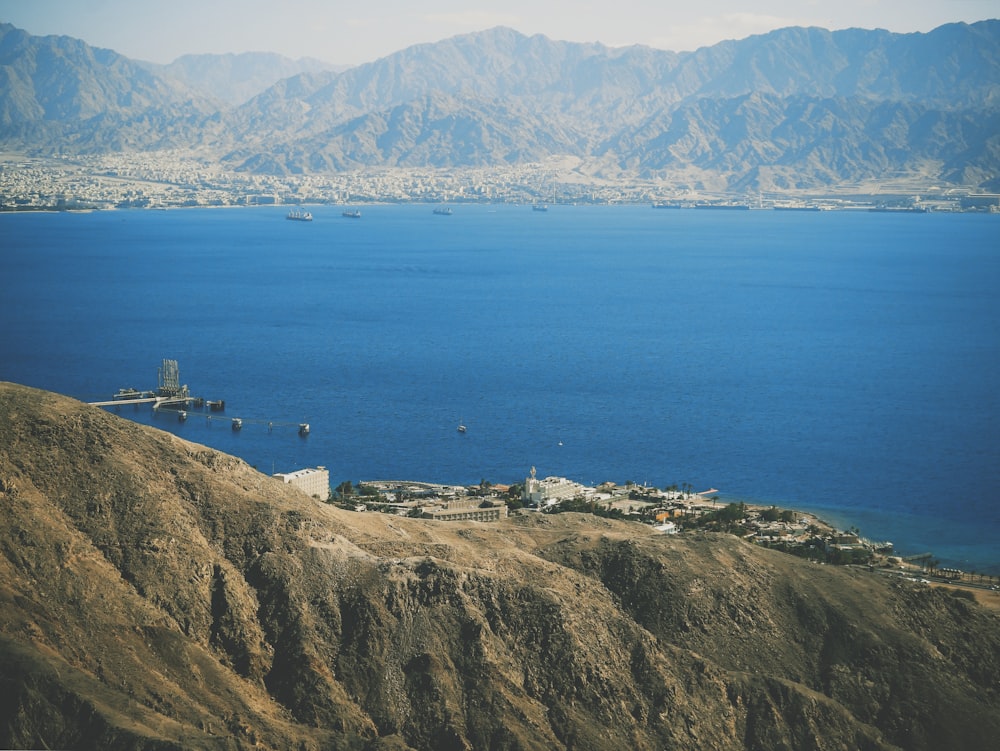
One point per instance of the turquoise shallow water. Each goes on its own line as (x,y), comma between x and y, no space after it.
(841,362)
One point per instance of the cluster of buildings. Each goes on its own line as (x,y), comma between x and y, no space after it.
(491,502)
(171,179)
(474,510)
(668,510)
(552,490)
(432,501)
(174,179)
(418,499)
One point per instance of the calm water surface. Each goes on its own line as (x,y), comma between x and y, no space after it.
(840,362)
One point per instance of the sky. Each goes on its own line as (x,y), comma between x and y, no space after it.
(344,33)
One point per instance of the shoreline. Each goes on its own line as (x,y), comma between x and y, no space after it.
(810,532)
(859,203)
(843,521)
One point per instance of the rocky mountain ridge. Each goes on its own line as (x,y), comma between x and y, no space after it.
(794,108)
(159,594)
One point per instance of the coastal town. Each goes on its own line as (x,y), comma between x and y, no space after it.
(161,180)
(676,509)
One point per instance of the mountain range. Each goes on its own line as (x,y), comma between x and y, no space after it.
(792,109)
(235,78)
(157,594)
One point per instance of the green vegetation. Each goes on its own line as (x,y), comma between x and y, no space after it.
(774,514)
(586,507)
(733,518)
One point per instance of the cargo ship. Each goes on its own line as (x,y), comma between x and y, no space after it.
(723,206)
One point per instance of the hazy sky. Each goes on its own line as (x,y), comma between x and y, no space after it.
(361,31)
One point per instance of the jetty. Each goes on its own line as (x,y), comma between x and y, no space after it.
(156,401)
(168,391)
(170,395)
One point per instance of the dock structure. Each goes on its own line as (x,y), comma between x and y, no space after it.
(169,391)
(156,401)
(171,396)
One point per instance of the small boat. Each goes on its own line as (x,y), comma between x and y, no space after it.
(898,210)
(352,213)
(796,207)
(303,428)
(443,211)
(182,416)
(461,426)
(299,216)
(237,423)
(539,207)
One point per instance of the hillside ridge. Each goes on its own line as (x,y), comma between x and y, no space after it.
(159,594)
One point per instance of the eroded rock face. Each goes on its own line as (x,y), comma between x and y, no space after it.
(157,594)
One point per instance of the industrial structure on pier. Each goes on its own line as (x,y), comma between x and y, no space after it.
(171,395)
(170,380)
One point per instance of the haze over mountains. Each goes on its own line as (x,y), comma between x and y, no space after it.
(233,78)
(792,109)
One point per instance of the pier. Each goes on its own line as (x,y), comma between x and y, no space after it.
(169,391)
(171,396)
(156,401)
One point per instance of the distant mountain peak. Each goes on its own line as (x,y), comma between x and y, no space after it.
(652,113)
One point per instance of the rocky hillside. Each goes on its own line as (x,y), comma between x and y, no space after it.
(59,93)
(796,108)
(156,594)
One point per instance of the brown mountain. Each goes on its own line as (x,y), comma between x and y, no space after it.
(157,594)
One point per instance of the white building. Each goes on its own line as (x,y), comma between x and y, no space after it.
(551,490)
(488,511)
(314,482)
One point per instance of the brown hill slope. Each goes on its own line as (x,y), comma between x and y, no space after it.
(156,594)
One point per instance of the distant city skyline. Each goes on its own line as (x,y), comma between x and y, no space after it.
(338,33)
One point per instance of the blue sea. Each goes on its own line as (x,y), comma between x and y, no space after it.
(841,362)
